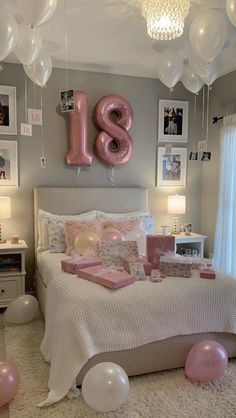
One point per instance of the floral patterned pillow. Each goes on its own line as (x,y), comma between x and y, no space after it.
(73,228)
(57,238)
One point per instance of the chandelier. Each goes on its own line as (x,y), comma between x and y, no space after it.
(165,18)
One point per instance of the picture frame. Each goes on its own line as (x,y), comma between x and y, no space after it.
(8,114)
(8,163)
(173,121)
(171,167)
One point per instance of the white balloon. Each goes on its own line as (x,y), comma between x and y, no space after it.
(8,33)
(170,67)
(105,387)
(40,70)
(139,235)
(210,71)
(29,44)
(22,309)
(37,12)
(191,80)
(208,33)
(231,11)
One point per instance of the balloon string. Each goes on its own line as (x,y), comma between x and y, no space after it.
(34,96)
(112,176)
(66,44)
(42,131)
(78,169)
(203,111)
(26,94)
(195,118)
(207,116)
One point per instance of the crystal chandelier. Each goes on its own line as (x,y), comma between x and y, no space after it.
(165,18)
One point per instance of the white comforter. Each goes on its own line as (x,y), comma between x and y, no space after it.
(84,319)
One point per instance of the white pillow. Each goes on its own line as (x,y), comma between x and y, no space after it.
(143,215)
(43,223)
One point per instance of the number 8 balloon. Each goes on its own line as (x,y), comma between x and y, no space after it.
(114,115)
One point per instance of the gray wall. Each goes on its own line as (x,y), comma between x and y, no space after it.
(143,95)
(222,102)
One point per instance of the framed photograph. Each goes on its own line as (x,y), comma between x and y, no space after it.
(173,121)
(8,163)
(8,124)
(172,167)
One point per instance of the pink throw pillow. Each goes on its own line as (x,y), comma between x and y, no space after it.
(73,228)
(123,226)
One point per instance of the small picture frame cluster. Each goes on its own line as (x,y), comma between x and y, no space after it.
(67,100)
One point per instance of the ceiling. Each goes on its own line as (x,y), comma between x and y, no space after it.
(110,36)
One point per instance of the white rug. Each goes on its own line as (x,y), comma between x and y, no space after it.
(159,395)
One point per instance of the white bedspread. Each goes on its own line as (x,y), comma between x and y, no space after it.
(84,319)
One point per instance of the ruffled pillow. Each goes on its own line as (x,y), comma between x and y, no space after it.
(123,226)
(142,215)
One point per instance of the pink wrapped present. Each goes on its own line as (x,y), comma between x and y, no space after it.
(72,265)
(106,276)
(207,273)
(176,266)
(113,253)
(141,260)
(200,262)
(158,245)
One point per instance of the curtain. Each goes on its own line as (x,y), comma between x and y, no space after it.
(225,234)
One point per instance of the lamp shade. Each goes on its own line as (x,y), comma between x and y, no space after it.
(176,204)
(5,207)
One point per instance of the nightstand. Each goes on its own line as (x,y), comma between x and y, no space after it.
(12,271)
(193,242)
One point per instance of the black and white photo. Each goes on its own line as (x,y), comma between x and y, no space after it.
(193,156)
(67,100)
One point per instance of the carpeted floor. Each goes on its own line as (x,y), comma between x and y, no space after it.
(159,395)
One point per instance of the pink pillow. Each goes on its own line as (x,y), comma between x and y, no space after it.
(123,226)
(73,228)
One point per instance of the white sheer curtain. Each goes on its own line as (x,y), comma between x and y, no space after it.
(225,235)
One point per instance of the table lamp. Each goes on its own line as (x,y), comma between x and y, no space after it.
(176,205)
(5,211)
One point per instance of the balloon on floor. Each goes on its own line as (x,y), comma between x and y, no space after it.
(22,309)
(207,360)
(9,382)
(105,387)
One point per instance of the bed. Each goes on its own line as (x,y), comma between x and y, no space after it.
(165,346)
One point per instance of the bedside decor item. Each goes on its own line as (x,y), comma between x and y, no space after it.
(176,205)
(165,230)
(8,163)
(14,239)
(172,167)
(173,121)
(5,211)
(8,122)
(158,245)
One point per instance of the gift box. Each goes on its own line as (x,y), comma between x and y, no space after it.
(176,266)
(106,276)
(158,245)
(207,273)
(72,265)
(113,253)
(141,260)
(200,262)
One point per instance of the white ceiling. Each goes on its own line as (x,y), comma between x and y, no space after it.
(110,36)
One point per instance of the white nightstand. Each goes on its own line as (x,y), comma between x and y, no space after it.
(12,271)
(193,242)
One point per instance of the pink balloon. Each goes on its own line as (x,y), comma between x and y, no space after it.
(112,236)
(78,154)
(9,382)
(207,360)
(113,144)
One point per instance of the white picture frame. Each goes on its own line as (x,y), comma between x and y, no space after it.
(171,167)
(173,121)
(8,114)
(8,163)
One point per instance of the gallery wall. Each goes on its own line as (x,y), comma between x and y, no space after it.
(143,95)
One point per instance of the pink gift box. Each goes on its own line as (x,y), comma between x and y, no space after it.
(146,265)
(158,245)
(106,276)
(176,266)
(72,265)
(207,273)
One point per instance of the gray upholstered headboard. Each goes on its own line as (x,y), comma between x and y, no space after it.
(72,200)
